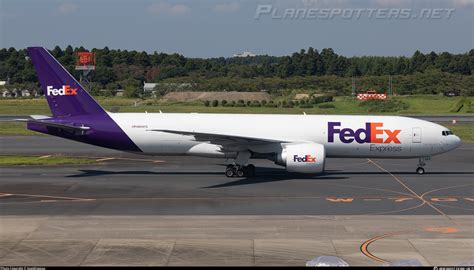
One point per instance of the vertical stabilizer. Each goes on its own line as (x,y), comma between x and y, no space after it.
(66,96)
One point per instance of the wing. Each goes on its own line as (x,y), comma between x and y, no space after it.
(229,142)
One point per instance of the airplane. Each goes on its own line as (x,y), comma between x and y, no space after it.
(300,143)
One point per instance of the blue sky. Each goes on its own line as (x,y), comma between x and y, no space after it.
(221,28)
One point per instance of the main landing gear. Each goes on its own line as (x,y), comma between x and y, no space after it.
(240,171)
(421,163)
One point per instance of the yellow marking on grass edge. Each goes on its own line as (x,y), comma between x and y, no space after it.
(104,159)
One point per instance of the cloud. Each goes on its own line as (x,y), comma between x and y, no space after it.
(164,8)
(463,3)
(227,7)
(377,3)
(324,3)
(67,8)
(422,3)
(393,3)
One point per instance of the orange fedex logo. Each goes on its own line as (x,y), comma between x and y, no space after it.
(372,133)
(65,90)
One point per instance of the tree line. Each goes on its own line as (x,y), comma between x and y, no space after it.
(324,70)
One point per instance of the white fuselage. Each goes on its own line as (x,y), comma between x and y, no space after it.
(389,136)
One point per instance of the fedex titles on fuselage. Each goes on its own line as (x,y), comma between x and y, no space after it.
(373,133)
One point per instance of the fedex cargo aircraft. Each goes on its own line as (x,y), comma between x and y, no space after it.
(301,143)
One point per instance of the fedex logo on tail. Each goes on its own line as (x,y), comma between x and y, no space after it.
(372,133)
(66,90)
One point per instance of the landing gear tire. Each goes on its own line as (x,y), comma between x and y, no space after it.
(421,163)
(240,172)
(229,172)
(420,170)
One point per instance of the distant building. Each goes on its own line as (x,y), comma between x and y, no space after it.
(245,54)
(6,94)
(25,93)
(149,87)
(16,93)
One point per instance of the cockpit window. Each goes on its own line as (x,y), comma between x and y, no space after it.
(447,132)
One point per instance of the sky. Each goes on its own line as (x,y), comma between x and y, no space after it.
(210,28)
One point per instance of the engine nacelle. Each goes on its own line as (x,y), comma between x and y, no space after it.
(302,158)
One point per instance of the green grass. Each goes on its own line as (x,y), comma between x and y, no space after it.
(16,129)
(46,160)
(433,105)
(418,105)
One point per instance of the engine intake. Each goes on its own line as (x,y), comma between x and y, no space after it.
(302,158)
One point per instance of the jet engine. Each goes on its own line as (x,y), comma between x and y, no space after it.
(302,158)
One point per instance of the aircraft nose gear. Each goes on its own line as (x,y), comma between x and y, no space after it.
(240,171)
(420,170)
(421,163)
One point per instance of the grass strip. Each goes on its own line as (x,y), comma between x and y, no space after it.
(7,160)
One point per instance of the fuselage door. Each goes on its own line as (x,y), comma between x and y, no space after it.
(416,135)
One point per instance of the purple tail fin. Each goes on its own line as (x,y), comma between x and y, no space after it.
(66,97)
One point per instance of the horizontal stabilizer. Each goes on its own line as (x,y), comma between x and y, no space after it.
(40,117)
(81,130)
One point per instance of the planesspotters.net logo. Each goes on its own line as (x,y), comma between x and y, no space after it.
(65,90)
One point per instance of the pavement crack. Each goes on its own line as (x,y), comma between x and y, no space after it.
(170,254)
(89,253)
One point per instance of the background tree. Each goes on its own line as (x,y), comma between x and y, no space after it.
(310,69)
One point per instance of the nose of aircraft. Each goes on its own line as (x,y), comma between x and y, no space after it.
(454,142)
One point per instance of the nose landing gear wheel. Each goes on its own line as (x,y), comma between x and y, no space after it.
(421,162)
(420,170)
